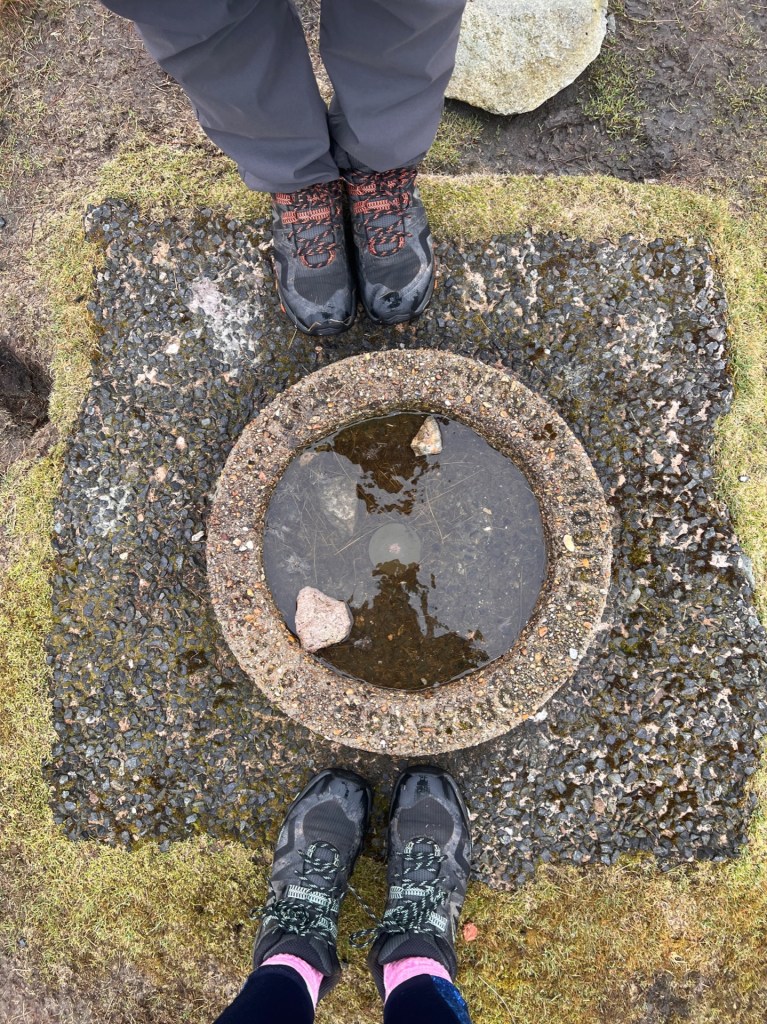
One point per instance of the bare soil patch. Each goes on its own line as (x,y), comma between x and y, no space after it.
(75,82)
(125,996)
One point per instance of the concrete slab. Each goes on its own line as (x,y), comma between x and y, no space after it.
(649,746)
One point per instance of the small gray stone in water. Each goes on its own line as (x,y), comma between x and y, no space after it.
(428,440)
(321,620)
(338,499)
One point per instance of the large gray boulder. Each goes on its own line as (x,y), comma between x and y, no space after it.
(514,54)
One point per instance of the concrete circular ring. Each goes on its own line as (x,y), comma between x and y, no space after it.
(483,704)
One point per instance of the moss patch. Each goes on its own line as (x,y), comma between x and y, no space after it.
(574,945)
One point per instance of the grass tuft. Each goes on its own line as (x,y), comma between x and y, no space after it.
(456,133)
(614,98)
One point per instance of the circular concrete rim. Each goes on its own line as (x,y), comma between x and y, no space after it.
(483,704)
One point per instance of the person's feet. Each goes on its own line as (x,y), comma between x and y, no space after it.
(429,865)
(318,844)
(314,279)
(394,252)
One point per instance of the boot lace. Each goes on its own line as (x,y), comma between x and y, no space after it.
(308,908)
(312,231)
(421,898)
(382,199)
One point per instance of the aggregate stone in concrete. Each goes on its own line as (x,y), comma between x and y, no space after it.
(159,734)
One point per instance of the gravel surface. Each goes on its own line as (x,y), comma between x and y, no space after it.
(159,732)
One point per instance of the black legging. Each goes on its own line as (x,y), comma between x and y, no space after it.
(277,995)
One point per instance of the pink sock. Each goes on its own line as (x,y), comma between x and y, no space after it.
(402,970)
(311,976)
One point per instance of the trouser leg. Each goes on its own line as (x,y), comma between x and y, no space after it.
(389,62)
(246,69)
(423,999)
(271,995)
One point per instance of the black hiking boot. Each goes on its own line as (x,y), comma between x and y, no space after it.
(429,865)
(318,844)
(314,279)
(393,244)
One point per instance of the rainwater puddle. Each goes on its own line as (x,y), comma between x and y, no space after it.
(441,558)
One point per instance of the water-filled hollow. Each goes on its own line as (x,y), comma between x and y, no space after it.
(441,558)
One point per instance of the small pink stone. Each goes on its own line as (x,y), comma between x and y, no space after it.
(321,620)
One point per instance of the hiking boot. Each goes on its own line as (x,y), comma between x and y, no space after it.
(314,279)
(429,865)
(393,246)
(318,844)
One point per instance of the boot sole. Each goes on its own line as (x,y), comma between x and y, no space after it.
(318,330)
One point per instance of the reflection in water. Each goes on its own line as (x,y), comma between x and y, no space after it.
(441,557)
(380,651)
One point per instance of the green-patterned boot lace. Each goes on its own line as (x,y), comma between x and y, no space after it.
(309,909)
(422,898)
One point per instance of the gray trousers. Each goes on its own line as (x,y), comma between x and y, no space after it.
(245,67)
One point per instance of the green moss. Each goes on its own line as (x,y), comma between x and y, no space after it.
(639,556)
(573,945)
(163,178)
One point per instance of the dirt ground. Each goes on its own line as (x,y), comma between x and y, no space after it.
(678,95)
(125,996)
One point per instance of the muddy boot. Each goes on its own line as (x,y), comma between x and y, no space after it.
(314,280)
(393,245)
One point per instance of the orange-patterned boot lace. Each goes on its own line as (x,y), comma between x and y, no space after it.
(309,212)
(380,200)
